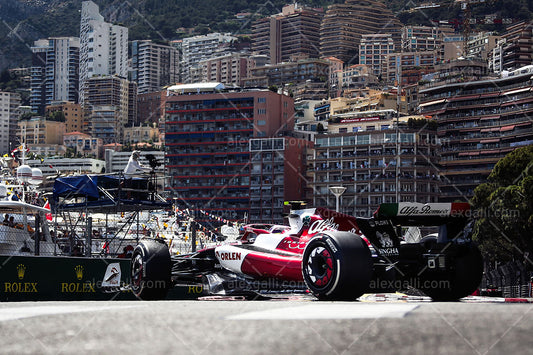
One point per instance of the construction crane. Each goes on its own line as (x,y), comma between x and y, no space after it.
(467,15)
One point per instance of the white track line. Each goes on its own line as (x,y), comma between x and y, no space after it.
(342,310)
(11,313)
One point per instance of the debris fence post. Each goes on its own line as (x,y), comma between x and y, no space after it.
(88,237)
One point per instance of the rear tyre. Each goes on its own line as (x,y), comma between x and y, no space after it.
(337,266)
(150,270)
(461,279)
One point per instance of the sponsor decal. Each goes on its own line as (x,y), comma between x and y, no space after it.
(435,210)
(229,231)
(331,245)
(360,119)
(291,244)
(388,251)
(384,239)
(78,269)
(21,270)
(195,289)
(112,275)
(225,255)
(20,287)
(78,287)
(323,225)
(373,223)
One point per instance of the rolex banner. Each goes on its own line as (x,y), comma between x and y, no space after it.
(40,278)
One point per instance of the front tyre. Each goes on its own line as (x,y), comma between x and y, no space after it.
(337,266)
(150,270)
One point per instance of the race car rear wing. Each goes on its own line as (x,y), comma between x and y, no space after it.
(420,214)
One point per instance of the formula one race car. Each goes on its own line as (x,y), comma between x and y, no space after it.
(333,255)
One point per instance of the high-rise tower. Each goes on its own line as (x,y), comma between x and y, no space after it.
(293,32)
(54,72)
(343,25)
(103,47)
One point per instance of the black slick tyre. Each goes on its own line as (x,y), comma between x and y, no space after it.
(461,279)
(337,266)
(150,270)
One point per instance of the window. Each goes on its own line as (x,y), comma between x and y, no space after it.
(363,139)
(407,138)
(335,141)
(321,142)
(349,140)
(261,100)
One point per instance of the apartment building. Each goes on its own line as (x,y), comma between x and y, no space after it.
(83,144)
(277,174)
(141,133)
(107,107)
(229,70)
(9,116)
(292,33)
(425,38)
(307,79)
(72,112)
(408,67)
(344,24)
(54,72)
(480,120)
(153,65)
(207,135)
(335,70)
(42,136)
(376,163)
(199,48)
(150,108)
(103,47)
(372,50)
(481,45)
(514,50)
(355,77)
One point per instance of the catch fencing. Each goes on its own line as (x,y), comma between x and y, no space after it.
(508,280)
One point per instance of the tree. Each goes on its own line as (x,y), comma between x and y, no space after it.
(58,116)
(504,207)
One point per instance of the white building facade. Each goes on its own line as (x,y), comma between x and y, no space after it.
(103,47)
(9,115)
(54,72)
(199,48)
